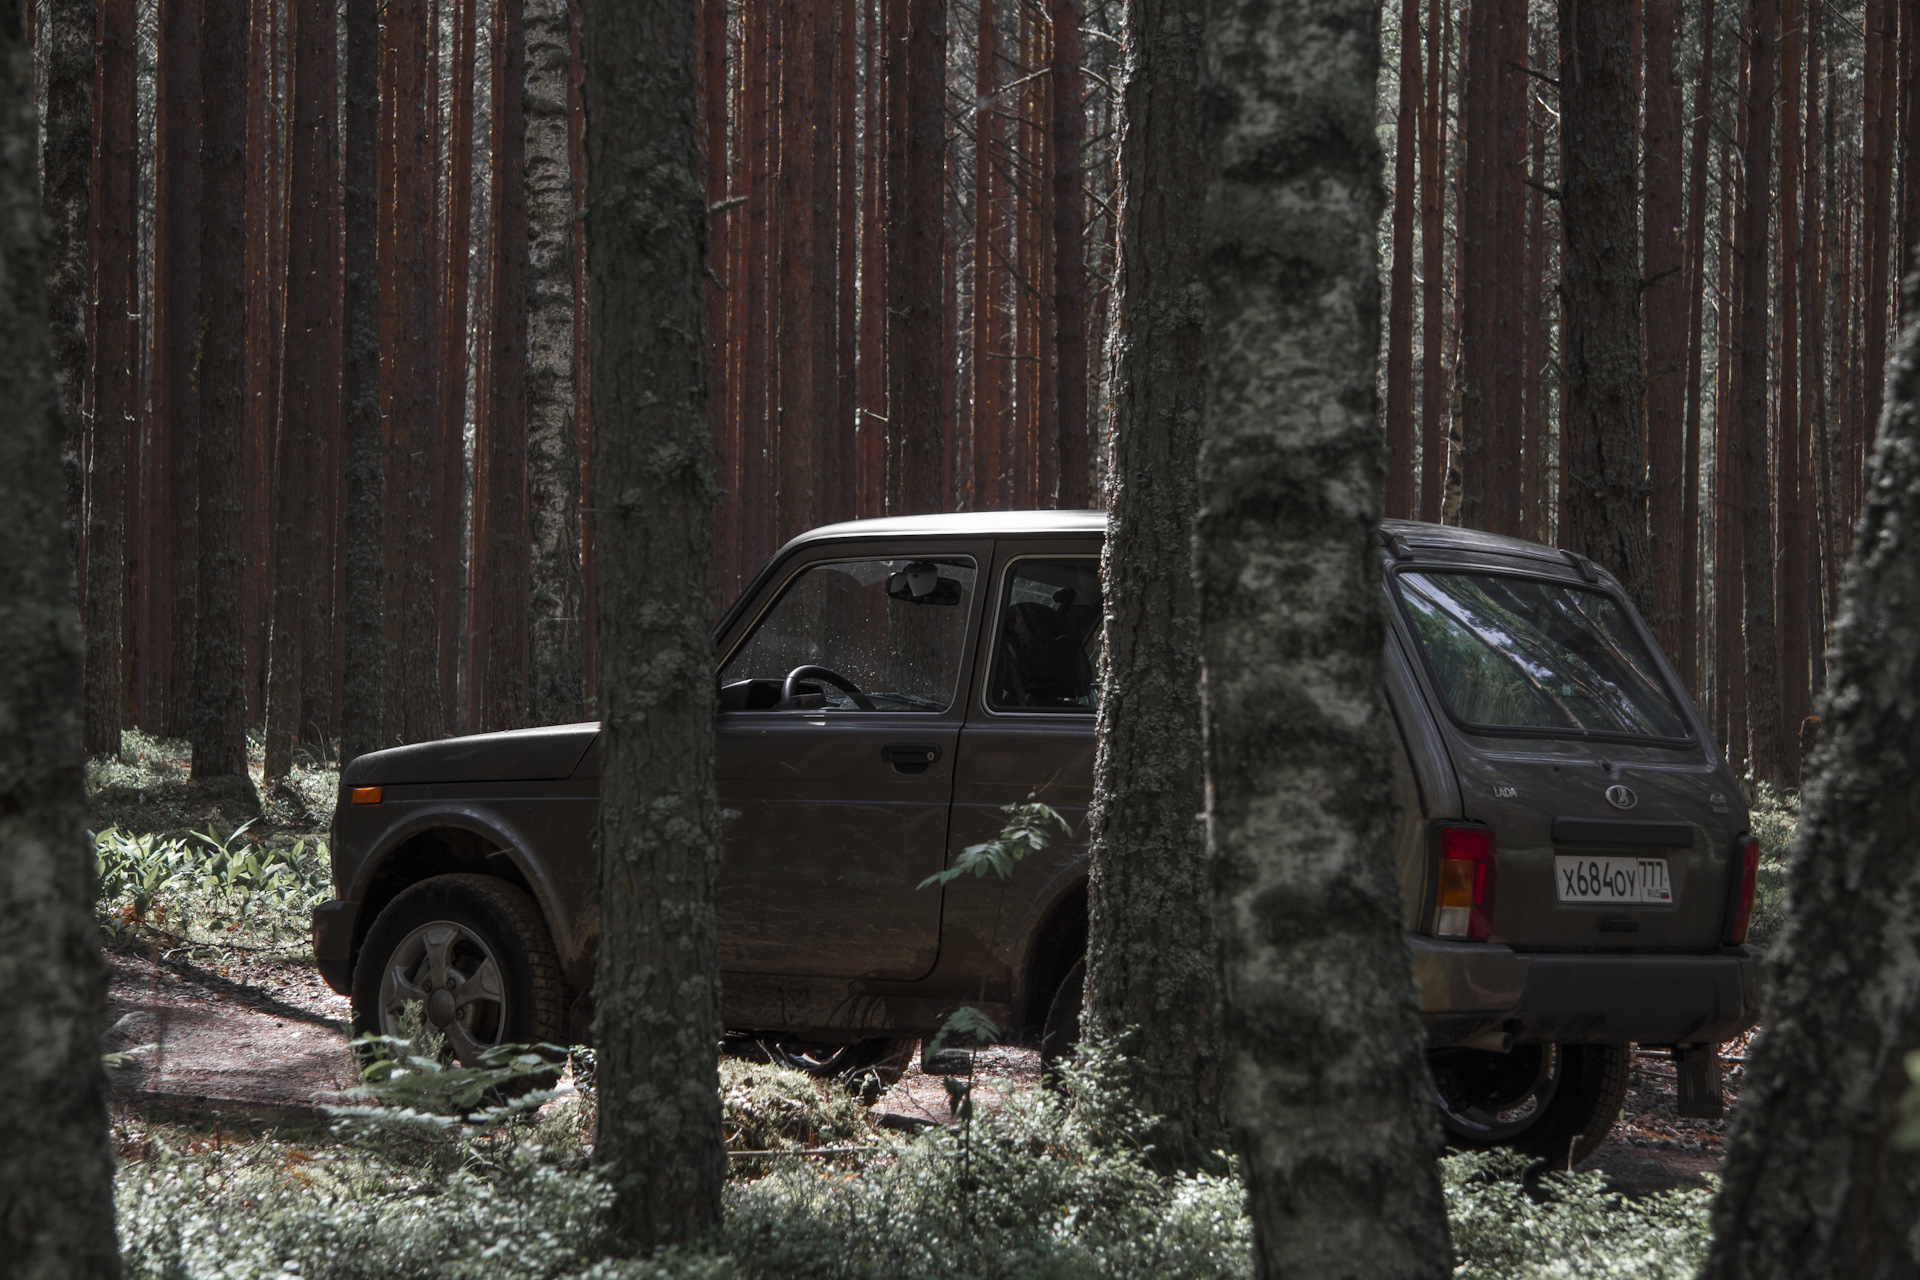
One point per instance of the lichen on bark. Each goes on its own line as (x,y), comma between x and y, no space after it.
(1815,1184)
(1325,1080)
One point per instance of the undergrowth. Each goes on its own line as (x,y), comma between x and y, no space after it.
(1776,817)
(1061,1188)
(209,889)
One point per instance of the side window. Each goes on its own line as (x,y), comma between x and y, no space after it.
(1047,638)
(869,635)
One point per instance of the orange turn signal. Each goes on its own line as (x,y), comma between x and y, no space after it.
(366,795)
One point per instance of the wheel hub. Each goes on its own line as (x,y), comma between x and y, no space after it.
(441,1008)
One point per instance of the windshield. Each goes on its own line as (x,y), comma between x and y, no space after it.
(1524,653)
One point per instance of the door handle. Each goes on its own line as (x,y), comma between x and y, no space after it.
(910,757)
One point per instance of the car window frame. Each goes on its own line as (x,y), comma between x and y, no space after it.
(1662,668)
(1004,564)
(774,583)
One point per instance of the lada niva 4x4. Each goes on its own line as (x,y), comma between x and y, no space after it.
(1575,856)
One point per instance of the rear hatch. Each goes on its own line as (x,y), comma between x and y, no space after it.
(1613,816)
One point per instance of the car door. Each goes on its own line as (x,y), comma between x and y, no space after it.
(840,714)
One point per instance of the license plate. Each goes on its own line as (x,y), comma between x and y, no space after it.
(1612,879)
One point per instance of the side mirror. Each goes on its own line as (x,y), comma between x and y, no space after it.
(921,583)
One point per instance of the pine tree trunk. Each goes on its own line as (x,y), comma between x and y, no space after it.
(1326,1083)
(554,694)
(915,310)
(1433,429)
(1479,272)
(1406,196)
(1816,1184)
(412,635)
(1663,313)
(219,726)
(1606,499)
(1151,958)
(56,1170)
(1761,682)
(458,321)
(658,991)
(1069,255)
(306,370)
(1689,655)
(988,335)
(793,463)
(1796,688)
(363,682)
(1878,89)
(1507,421)
(111,381)
(66,166)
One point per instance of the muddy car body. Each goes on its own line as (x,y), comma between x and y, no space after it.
(1574,852)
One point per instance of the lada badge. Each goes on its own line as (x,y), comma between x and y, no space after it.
(1621,797)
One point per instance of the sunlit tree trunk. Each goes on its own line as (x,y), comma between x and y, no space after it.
(1406,196)
(1325,1080)
(1688,655)
(657,988)
(363,683)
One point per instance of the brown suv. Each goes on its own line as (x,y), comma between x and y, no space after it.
(1575,855)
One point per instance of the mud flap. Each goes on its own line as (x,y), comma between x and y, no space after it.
(1698,1069)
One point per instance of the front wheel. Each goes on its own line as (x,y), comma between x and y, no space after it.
(1553,1101)
(473,954)
(880,1058)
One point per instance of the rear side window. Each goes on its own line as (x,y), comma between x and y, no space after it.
(1523,653)
(1047,637)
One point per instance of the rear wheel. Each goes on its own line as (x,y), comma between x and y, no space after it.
(1553,1101)
(882,1059)
(473,954)
(1062,1033)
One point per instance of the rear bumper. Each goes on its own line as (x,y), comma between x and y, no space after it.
(1470,989)
(333,942)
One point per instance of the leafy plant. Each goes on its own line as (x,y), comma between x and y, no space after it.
(203,889)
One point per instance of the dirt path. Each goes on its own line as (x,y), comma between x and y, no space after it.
(266,1037)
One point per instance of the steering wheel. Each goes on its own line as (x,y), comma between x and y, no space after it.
(833,678)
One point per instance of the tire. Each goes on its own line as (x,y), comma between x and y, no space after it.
(458,924)
(1555,1102)
(869,1065)
(1061,1034)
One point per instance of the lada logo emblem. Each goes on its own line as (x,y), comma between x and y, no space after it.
(1621,797)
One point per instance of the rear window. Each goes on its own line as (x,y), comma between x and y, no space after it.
(1522,653)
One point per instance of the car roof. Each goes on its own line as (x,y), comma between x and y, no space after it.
(958,524)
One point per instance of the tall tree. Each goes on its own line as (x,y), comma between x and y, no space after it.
(1151,961)
(1406,195)
(1755,495)
(658,982)
(1691,665)
(1433,125)
(364,655)
(1815,1185)
(66,164)
(1878,89)
(1796,681)
(1605,502)
(56,1170)
(173,389)
(1325,1078)
(112,386)
(554,690)
(301,566)
(1069,254)
(916,183)
(1663,317)
(795,459)
(219,727)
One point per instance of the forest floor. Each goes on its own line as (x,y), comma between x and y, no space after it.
(251,1033)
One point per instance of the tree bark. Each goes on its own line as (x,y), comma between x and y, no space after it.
(1689,656)
(1663,310)
(363,682)
(1433,160)
(111,382)
(554,693)
(915,310)
(1406,197)
(56,1170)
(458,322)
(1796,681)
(1325,1080)
(1478,278)
(1069,256)
(1762,678)
(658,987)
(795,461)
(1877,87)
(306,370)
(1816,1186)
(219,728)
(1606,501)
(66,164)
(1152,963)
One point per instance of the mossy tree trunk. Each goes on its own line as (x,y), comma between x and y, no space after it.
(1816,1186)
(1150,949)
(56,1173)
(658,986)
(1325,1080)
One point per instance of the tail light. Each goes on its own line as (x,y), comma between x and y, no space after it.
(1746,869)
(1466,884)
